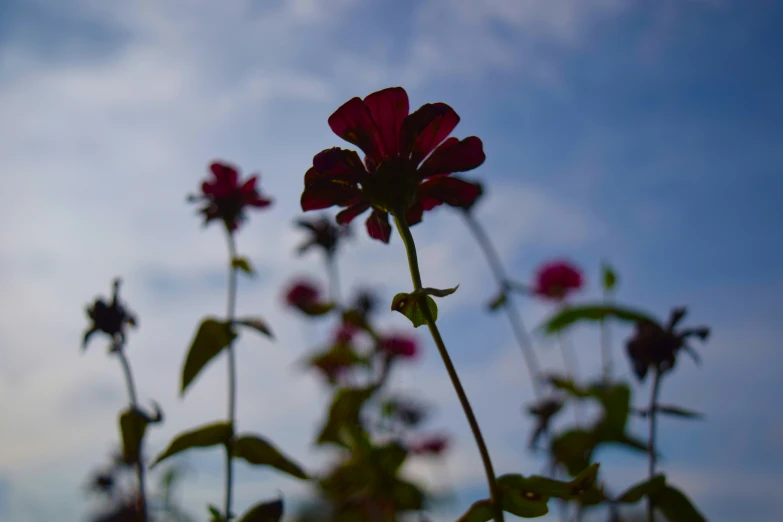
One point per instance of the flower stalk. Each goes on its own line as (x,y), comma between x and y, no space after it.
(232,291)
(413,264)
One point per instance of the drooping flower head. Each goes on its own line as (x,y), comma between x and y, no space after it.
(225,196)
(111,319)
(398,345)
(323,233)
(556,279)
(407,163)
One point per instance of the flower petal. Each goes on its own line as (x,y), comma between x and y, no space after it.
(388,109)
(335,164)
(354,123)
(449,190)
(224,174)
(423,130)
(348,215)
(378,225)
(413,216)
(454,156)
(325,194)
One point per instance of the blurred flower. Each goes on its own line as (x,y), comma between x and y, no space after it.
(653,346)
(333,364)
(110,319)
(226,197)
(401,151)
(434,445)
(556,279)
(365,303)
(323,234)
(398,345)
(346,333)
(302,294)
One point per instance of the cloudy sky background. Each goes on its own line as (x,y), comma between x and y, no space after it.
(646,133)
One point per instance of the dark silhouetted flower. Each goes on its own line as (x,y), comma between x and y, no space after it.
(432,445)
(323,233)
(656,347)
(406,166)
(556,279)
(334,363)
(398,345)
(226,197)
(407,412)
(365,303)
(110,319)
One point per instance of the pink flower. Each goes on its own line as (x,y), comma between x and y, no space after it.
(399,345)
(434,445)
(556,279)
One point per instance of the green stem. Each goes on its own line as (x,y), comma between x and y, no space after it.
(334,279)
(652,411)
(133,402)
(606,351)
(413,264)
(571,368)
(232,392)
(514,317)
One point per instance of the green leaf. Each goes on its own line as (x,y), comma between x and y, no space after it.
(497,302)
(675,506)
(217,516)
(133,424)
(643,489)
(410,306)
(202,437)
(592,312)
(260,452)
(573,449)
(525,506)
(344,412)
(212,336)
(257,324)
(317,309)
(438,292)
(537,488)
(264,512)
(243,264)
(678,412)
(616,401)
(609,277)
(628,441)
(406,496)
(390,457)
(480,511)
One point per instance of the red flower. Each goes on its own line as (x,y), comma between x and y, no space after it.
(433,445)
(556,279)
(406,166)
(399,345)
(302,295)
(226,197)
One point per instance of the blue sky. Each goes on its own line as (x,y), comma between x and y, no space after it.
(647,133)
